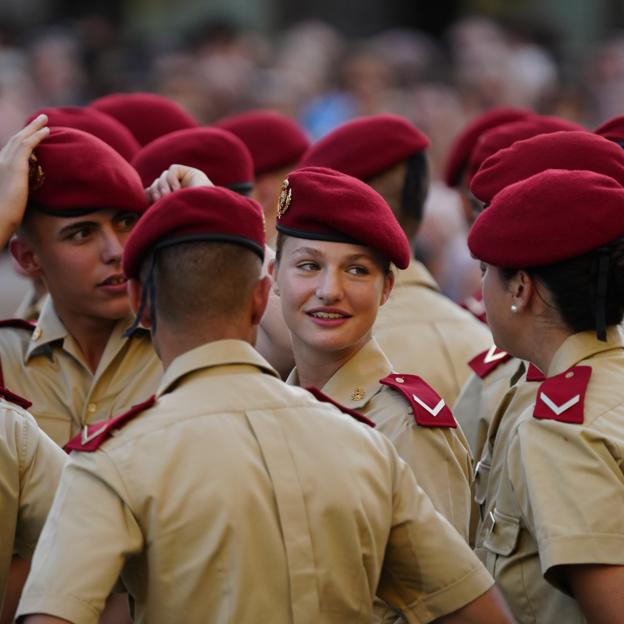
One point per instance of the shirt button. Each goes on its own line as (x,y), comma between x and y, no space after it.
(91,408)
(399,379)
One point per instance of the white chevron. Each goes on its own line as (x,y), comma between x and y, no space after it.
(559,409)
(433,411)
(492,356)
(87,437)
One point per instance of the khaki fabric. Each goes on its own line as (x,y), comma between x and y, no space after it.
(424,333)
(47,367)
(561,488)
(438,456)
(30,469)
(237,498)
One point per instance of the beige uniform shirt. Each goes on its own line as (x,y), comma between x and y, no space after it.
(438,456)
(30,468)
(425,333)
(561,490)
(237,498)
(47,367)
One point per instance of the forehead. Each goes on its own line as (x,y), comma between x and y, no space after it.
(326,249)
(56,222)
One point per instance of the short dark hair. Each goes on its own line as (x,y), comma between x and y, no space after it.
(416,186)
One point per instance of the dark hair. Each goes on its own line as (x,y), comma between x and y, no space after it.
(575,287)
(415,186)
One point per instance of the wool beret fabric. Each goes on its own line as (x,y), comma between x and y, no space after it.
(98,124)
(222,156)
(195,214)
(76,173)
(557,150)
(464,143)
(147,115)
(505,135)
(274,140)
(552,216)
(367,146)
(323,204)
(612,129)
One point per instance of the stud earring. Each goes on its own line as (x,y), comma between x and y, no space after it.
(514,308)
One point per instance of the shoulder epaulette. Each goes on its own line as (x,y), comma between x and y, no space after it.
(320,396)
(92,436)
(534,374)
(474,304)
(487,361)
(561,397)
(18,324)
(429,407)
(14,398)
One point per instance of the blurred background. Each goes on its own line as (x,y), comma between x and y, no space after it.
(323,62)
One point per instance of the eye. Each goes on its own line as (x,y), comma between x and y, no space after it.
(126,221)
(483,268)
(79,235)
(358,269)
(308,265)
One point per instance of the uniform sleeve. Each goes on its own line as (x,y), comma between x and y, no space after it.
(570,486)
(88,536)
(429,570)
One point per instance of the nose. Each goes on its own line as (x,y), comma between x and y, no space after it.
(112,246)
(329,288)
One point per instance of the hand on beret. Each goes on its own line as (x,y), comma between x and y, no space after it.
(174,179)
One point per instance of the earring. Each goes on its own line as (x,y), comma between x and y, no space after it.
(514,308)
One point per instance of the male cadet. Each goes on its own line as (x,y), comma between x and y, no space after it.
(276,144)
(229,496)
(76,365)
(421,331)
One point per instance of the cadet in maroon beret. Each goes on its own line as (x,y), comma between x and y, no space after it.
(551,248)
(276,144)
(221,155)
(98,124)
(613,130)
(147,115)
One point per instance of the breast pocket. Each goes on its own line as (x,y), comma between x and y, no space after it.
(502,531)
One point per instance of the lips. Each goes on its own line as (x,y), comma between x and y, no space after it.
(114,280)
(328,314)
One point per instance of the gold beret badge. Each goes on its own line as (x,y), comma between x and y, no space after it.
(284,199)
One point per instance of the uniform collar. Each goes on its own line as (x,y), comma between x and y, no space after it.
(582,346)
(415,275)
(211,355)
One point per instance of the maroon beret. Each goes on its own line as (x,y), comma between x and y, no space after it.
(223,157)
(464,143)
(323,204)
(613,129)
(76,173)
(557,150)
(506,134)
(274,140)
(367,146)
(96,123)
(147,115)
(202,213)
(551,216)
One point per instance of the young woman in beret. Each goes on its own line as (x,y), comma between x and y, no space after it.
(553,288)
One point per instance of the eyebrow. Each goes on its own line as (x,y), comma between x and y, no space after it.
(77,225)
(311,251)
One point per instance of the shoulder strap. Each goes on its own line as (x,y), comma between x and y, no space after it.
(487,361)
(14,398)
(562,397)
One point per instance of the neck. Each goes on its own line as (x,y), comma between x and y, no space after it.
(541,344)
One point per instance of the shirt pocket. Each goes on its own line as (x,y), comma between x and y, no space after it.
(502,532)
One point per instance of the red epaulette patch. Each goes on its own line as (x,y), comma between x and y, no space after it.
(320,396)
(484,363)
(18,323)
(15,398)
(474,304)
(561,397)
(92,437)
(534,374)
(429,407)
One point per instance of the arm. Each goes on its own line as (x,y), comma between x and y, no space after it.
(44,619)
(17,578)
(490,608)
(175,178)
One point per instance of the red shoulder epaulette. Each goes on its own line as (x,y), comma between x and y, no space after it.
(561,397)
(534,374)
(484,363)
(474,304)
(429,407)
(15,398)
(92,437)
(320,396)
(18,323)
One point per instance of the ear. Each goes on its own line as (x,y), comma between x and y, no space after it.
(135,292)
(260,298)
(25,256)
(521,288)
(272,270)
(387,287)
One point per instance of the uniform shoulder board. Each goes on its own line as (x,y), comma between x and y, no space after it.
(561,397)
(474,304)
(429,407)
(320,396)
(92,436)
(14,398)
(534,374)
(18,324)
(487,361)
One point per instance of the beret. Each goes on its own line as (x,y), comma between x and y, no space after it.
(557,150)
(322,204)
(146,115)
(222,156)
(612,129)
(464,143)
(76,173)
(505,134)
(274,140)
(367,146)
(551,216)
(202,213)
(96,123)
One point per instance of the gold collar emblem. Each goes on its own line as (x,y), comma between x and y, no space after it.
(36,176)
(358,394)
(284,199)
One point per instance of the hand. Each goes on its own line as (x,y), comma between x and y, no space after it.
(14,157)
(173,179)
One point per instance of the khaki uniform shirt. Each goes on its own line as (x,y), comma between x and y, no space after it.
(424,333)
(237,498)
(561,491)
(47,367)
(30,468)
(438,456)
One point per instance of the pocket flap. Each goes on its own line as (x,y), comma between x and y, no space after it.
(482,474)
(502,533)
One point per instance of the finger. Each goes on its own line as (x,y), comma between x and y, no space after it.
(33,140)
(172,180)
